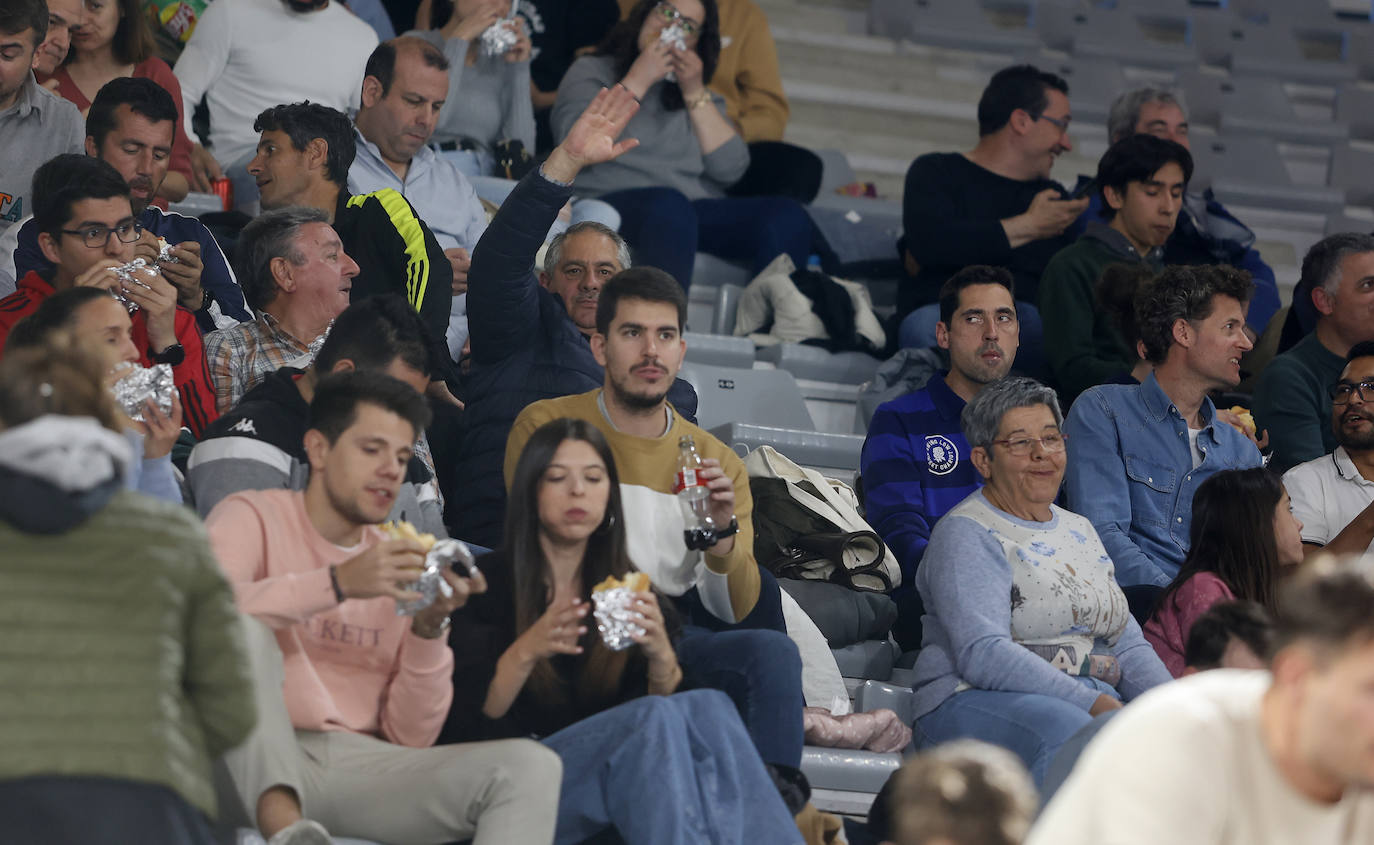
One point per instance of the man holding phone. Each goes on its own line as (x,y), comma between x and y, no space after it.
(995,204)
(1142,180)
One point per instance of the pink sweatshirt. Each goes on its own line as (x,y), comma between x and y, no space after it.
(353,666)
(1168,628)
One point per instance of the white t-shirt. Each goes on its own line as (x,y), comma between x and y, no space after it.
(1192,446)
(249,55)
(1185,765)
(1327,494)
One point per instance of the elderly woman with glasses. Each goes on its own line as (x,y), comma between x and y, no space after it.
(1027,635)
(670,190)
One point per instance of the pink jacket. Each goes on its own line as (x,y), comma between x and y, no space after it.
(353,666)
(1168,628)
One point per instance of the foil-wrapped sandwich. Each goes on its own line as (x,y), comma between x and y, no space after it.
(674,36)
(136,385)
(439,554)
(612,603)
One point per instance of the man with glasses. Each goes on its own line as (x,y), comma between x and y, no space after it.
(1333,495)
(130,125)
(87,229)
(915,461)
(1137,453)
(1290,394)
(995,204)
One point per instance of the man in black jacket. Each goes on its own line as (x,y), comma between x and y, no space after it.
(525,344)
(303,157)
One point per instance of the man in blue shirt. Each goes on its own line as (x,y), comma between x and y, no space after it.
(1137,453)
(130,126)
(915,462)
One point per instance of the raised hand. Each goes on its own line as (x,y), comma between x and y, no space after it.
(592,139)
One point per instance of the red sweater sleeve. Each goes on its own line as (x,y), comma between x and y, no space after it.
(191,376)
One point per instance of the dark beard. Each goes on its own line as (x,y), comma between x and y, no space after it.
(637,401)
(1354,442)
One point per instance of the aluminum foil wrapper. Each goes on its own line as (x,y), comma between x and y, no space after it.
(164,252)
(673,36)
(614,618)
(138,385)
(128,274)
(498,38)
(431,585)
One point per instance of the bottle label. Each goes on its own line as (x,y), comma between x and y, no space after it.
(686,478)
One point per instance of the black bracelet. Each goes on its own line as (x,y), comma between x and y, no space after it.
(334,582)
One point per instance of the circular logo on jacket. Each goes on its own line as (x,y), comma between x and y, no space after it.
(941,456)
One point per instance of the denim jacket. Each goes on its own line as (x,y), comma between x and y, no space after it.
(1130,472)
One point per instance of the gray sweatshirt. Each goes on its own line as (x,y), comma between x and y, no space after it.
(668,154)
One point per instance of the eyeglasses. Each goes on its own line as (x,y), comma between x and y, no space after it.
(95,237)
(670,14)
(1021,446)
(1340,392)
(1061,122)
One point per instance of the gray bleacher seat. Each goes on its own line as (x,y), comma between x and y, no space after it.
(719,350)
(727,305)
(701,308)
(1273,49)
(978,25)
(1355,107)
(845,781)
(869,659)
(1337,223)
(762,397)
(711,271)
(247,836)
(818,449)
(817,364)
(1248,105)
(1248,170)
(1132,35)
(1352,171)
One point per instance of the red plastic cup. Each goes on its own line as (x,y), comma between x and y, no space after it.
(224,189)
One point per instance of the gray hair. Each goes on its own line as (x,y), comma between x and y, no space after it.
(270,235)
(554,254)
(1321,266)
(1125,111)
(982,417)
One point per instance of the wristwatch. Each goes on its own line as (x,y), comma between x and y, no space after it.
(205,299)
(174,355)
(728,531)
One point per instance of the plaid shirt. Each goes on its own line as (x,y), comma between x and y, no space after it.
(241,356)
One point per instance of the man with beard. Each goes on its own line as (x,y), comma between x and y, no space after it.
(130,126)
(1290,394)
(251,54)
(1333,495)
(733,639)
(1137,453)
(915,462)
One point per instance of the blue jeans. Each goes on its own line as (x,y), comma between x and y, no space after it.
(674,769)
(665,229)
(918,332)
(1030,725)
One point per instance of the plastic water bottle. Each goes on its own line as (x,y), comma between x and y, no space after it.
(694,497)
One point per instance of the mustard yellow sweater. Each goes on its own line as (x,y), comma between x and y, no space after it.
(729,584)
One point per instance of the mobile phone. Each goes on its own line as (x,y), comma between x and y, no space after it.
(1084,189)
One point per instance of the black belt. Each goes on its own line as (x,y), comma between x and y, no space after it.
(460,144)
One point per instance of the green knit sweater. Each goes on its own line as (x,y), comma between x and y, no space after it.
(1083,345)
(120,651)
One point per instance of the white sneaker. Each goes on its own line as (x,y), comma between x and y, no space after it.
(303,832)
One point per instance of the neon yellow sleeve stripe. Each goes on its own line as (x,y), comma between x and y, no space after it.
(412,234)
